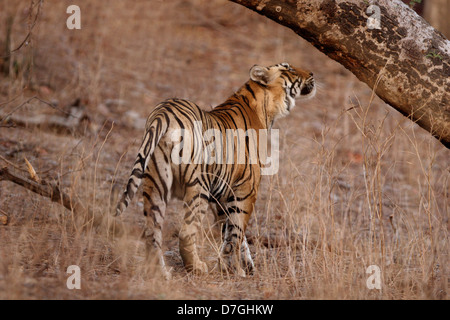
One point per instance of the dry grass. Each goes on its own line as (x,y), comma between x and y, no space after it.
(358,185)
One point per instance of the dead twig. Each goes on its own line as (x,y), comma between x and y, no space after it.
(9,101)
(11,164)
(31,25)
(3,217)
(33,175)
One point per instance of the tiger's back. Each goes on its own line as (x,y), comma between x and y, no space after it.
(177,165)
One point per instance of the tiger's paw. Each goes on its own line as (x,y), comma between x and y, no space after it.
(228,266)
(198,268)
(248,267)
(167,274)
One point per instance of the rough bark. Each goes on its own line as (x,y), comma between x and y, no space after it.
(406,61)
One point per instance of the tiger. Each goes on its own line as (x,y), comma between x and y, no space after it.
(269,94)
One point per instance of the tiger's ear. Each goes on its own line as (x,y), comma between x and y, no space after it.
(260,75)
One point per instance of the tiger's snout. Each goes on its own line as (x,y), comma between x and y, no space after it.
(309,88)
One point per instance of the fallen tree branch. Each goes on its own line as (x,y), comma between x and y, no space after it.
(52,191)
(268,241)
(71,124)
(291,240)
(45,189)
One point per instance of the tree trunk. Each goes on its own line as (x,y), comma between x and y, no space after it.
(437,13)
(386,45)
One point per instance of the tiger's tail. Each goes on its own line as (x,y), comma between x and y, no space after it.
(154,132)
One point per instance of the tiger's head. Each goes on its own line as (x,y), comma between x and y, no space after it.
(282,84)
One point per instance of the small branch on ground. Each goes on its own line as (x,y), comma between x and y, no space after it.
(268,241)
(278,241)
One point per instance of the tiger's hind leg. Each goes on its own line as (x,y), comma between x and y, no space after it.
(196,206)
(154,238)
(156,194)
(235,254)
(246,260)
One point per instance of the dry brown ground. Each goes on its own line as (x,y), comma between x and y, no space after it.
(358,184)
